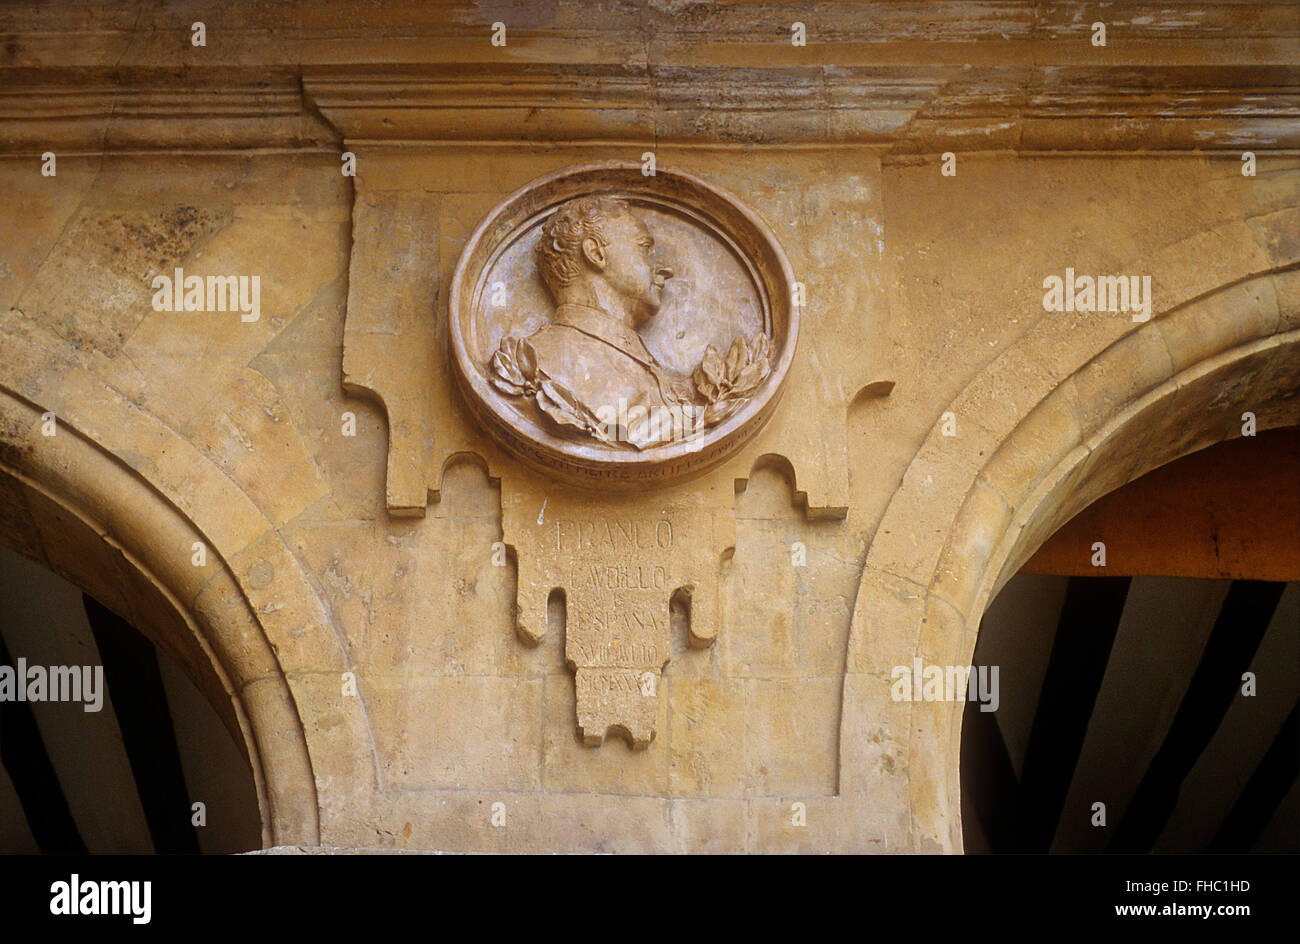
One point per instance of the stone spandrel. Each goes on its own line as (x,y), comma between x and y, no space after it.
(619,563)
(616,347)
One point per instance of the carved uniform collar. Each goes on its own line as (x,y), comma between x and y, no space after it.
(599,324)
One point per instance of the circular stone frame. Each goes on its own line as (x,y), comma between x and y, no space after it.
(595,464)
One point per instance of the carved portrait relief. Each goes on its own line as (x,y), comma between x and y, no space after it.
(617,328)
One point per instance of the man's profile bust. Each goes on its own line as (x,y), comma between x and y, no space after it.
(588,369)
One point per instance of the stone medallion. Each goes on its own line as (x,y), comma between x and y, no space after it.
(617,329)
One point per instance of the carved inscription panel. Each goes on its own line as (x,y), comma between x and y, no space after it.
(630,578)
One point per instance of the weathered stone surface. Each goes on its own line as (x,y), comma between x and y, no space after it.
(376,617)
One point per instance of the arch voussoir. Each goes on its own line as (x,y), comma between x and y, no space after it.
(1149,394)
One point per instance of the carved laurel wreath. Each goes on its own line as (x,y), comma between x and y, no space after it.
(515,372)
(723,386)
(719,385)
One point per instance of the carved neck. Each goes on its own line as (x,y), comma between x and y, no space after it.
(596,294)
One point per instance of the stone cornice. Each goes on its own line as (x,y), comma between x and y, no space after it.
(916,110)
(957,76)
(100,115)
(124,33)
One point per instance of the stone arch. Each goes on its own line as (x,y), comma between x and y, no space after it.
(121,522)
(1047,428)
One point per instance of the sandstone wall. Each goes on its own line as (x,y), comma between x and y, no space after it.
(184,427)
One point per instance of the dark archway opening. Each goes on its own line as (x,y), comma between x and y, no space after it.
(1150,704)
(149,768)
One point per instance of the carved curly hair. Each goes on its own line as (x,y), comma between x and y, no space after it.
(559,250)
